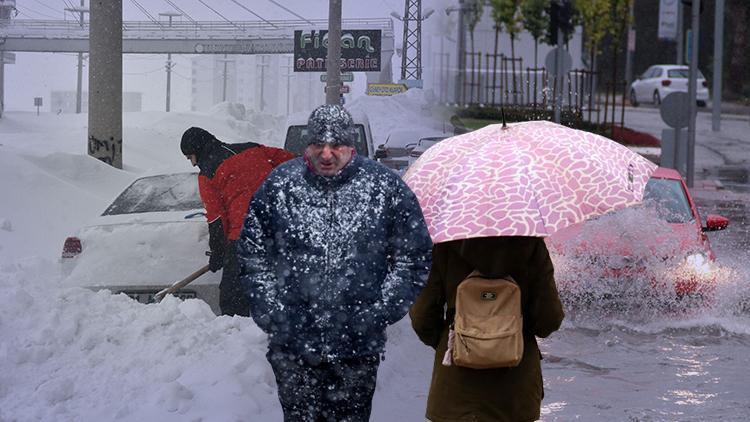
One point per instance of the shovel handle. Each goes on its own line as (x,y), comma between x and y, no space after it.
(180,284)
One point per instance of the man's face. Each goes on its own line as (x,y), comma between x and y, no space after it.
(193,159)
(328,159)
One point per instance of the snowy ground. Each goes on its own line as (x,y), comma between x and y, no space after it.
(72,354)
(69,354)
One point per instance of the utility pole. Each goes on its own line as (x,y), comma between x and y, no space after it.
(718,55)
(692,88)
(225,76)
(680,30)
(333,69)
(411,57)
(169,64)
(288,75)
(105,82)
(79,87)
(630,47)
(461,48)
(262,66)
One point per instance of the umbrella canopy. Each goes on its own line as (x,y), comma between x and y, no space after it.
(529,179)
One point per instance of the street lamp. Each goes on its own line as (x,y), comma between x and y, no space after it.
(170,14)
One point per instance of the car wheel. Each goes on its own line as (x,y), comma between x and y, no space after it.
(633,98)
(657,98)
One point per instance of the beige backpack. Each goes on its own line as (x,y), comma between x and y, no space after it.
(488,325)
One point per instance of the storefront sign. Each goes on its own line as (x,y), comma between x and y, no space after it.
(360,50)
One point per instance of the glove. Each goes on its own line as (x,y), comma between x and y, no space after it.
(217,242)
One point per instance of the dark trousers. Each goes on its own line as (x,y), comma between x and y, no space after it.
(329,391)
(232,299)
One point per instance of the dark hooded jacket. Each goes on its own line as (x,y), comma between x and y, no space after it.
(229,175)
(329,262)
(503,394)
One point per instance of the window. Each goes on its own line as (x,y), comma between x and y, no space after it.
(296,141)
(163,193)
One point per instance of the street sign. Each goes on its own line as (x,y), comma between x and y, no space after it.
(343,89)
(675,110)
(549,62)
(668,16)
(360,50)
(345,77)
(385,89)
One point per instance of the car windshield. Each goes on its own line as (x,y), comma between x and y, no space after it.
(428,142)
(296,142)
(682,73)
(162,193)
(668,199)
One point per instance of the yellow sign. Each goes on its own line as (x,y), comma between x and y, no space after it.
(385,89)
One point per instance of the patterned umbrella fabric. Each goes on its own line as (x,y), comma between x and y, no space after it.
(528,179)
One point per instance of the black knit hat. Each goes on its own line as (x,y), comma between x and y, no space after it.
(194,140)
(332,124)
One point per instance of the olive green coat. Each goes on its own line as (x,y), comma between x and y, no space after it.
(503,394)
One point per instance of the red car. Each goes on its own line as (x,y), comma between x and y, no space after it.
(659,246)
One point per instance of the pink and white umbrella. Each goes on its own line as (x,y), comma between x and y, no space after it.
(528,179)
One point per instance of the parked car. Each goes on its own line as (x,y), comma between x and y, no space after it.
(661,242)
(658,81)
(403,146)
(416,150)
(153,234)
(296,131)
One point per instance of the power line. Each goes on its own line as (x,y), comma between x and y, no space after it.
(177,8)
(277,4)
(48,7)
(220,15)
(37,12)
(256,15)
(145,12)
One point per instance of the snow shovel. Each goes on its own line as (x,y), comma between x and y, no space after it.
(180,284)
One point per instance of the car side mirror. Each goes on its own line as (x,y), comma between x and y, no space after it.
(715,222)
(381,152)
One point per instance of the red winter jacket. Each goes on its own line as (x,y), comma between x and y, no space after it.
(226,195)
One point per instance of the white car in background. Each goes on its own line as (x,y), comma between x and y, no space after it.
(153,234)
(295,140)
(658,81)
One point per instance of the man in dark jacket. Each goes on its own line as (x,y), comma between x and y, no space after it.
(334,249)
(501,394)
(229,175)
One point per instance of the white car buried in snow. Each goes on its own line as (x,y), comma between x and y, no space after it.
(153,234)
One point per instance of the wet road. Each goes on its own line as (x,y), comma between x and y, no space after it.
(646,361)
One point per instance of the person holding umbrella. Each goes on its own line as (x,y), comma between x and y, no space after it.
(489,197)
(229,175)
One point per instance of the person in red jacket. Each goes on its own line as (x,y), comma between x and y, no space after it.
(229,176)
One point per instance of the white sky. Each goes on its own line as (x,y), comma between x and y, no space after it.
(36,74)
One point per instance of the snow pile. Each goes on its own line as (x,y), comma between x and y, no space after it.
(68,353)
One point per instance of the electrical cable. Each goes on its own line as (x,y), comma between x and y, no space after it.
(145,12)
(34,11)
(48,7)
(256,15)
(220,15)
(295,14)
(177,8)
